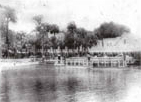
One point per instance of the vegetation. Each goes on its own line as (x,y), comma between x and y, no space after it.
(74,39)
(54,29)
(9,16)
(110,30)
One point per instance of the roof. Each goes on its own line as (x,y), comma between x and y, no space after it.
(125,43)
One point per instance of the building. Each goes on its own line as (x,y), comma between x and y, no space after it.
(127,43)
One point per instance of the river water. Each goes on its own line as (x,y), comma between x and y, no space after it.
(40,83)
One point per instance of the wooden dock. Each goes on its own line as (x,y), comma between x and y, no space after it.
(96,62)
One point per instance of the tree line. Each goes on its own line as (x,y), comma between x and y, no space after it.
(76,39)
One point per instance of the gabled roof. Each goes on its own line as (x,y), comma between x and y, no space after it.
(125,43)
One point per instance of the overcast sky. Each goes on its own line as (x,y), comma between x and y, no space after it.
(86,13)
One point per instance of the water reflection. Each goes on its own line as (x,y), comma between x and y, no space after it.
(42,84)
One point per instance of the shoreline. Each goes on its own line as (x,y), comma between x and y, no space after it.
(6,64)
(11,64)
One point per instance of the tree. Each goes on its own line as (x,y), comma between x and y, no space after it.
(42,30)
(10,16)
(70,35)
(45,28)
(110,30)
(20,40)
(31,43)
(91,40)
(71,27)
(54,43)
(86,39)
(54,29)
(75,38)
(61,44)
(81,37)
(38,19)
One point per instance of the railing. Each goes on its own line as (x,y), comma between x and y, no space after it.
(94,61)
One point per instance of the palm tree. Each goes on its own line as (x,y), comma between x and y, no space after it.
(54,29)
(81,35)
(54,43)
(10,16)
(69,40)
(45,28)
(42,29)
(71,29)
(61,44)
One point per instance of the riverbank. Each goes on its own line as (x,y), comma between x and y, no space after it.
(6,64)
(9,64)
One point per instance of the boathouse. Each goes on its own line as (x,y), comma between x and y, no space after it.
(96,61)
(116,52)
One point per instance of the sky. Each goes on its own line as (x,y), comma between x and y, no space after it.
(85,13)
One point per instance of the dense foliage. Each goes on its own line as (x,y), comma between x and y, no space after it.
(110,30)
(74,38)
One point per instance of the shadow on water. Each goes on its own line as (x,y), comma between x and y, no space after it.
(35,85)
(44,90)
(5,89)
(71,85)
(109,85)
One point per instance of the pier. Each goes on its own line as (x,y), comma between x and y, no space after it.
(96,62)
(107,62)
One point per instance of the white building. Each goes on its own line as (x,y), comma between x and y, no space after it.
(125,43)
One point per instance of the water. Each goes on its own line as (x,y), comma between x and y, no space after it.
(47,84)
